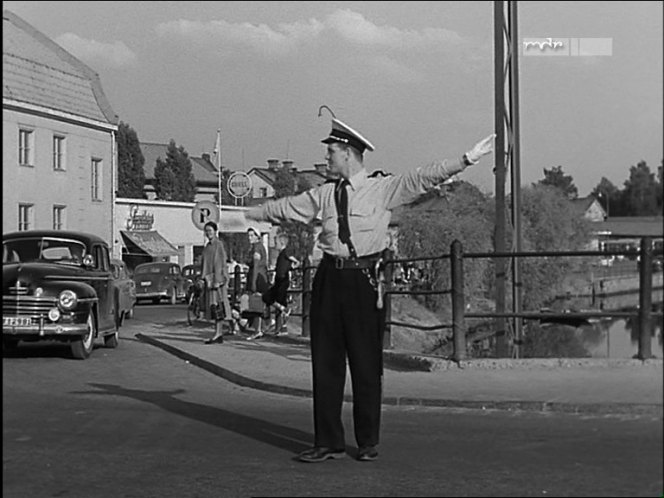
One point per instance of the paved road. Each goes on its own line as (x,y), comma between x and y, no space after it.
(138,422)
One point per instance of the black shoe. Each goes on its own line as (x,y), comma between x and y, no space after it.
(219,340)
(367,454)
(320,454)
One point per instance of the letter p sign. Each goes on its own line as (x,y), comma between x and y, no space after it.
(203,212)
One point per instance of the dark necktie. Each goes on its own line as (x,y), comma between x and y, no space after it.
(342,211)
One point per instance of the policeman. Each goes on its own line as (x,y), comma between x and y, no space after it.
(345,320)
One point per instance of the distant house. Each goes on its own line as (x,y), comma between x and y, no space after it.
(590,208)
(205,173)
(59,138)
(263,179)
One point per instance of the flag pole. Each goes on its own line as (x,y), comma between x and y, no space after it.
(219,169)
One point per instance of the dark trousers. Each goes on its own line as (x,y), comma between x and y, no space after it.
(345,323)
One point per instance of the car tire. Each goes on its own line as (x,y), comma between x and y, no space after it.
(173,296)
(82,347)
(111,341)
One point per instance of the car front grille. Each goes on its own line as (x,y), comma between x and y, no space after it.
(26,305)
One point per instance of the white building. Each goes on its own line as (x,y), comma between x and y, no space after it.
(58,149)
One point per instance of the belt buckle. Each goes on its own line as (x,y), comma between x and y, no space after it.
(338,263)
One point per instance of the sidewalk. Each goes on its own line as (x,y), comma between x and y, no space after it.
(283,365)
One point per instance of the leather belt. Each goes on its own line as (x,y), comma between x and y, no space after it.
(352,263)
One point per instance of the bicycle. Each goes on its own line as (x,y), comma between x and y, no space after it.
(194,308)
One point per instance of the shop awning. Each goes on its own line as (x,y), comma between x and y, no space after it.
(151,242)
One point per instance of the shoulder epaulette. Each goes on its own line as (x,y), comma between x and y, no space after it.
(379,173)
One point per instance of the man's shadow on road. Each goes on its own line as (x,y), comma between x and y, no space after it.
(286,438)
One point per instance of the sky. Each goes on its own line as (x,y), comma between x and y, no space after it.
(415,78)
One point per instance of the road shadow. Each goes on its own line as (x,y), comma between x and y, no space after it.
(285,438)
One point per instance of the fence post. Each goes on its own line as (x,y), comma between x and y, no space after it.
(306,296)
(387,300)
(645,299)
(458,304)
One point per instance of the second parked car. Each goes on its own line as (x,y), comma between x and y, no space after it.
(160,280)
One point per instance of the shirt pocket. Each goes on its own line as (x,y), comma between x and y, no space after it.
(362,218)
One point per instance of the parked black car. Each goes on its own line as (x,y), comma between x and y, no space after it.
(58,285)
(160,280)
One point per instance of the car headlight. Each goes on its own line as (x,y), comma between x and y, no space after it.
(67,299)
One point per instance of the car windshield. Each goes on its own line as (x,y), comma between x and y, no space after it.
(65,251)
(142,270)
(188,272)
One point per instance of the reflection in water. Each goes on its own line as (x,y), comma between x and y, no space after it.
(619,338)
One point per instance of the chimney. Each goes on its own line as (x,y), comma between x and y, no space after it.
(288,165)
(321,168)
(273,164)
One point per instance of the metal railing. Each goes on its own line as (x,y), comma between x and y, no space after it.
(456,258)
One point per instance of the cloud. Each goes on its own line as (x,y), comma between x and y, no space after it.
(394,71)
(285,38)
(353,27)
(114,54)
(259,37)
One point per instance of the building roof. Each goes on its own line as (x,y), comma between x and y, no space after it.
(582,204)
(312,177)
(201,167)
(632,226)
(37,71)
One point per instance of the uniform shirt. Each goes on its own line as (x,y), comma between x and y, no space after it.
(370,204)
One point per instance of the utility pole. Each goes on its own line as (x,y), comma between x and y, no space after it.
(506,120)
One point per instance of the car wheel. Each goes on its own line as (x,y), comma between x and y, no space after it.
(82,347)
(174,296)
(112,340)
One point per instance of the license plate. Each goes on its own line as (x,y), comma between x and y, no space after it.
(146,284)
(17,321)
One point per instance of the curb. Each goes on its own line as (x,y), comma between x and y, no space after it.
(640,409)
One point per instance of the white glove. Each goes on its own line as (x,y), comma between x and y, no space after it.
(481,148)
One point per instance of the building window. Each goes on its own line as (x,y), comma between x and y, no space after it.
(96,179)
(25,138)
(263,191)
(58,217)
(58,153)
(24,216)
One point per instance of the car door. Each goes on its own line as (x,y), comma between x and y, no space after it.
(103,283)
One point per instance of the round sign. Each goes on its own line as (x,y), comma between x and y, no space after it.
(239,184)
(203,212)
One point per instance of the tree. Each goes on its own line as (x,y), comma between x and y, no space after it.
(131,175)
(555,177)
(226,198)
(640,195)
(549,223)
(173,178)
(430,225)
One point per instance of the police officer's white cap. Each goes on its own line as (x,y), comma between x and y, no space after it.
(343,133)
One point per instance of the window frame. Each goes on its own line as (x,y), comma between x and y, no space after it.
(26,138)
(59,152)
(96,167)
(59,220)
(25,216)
